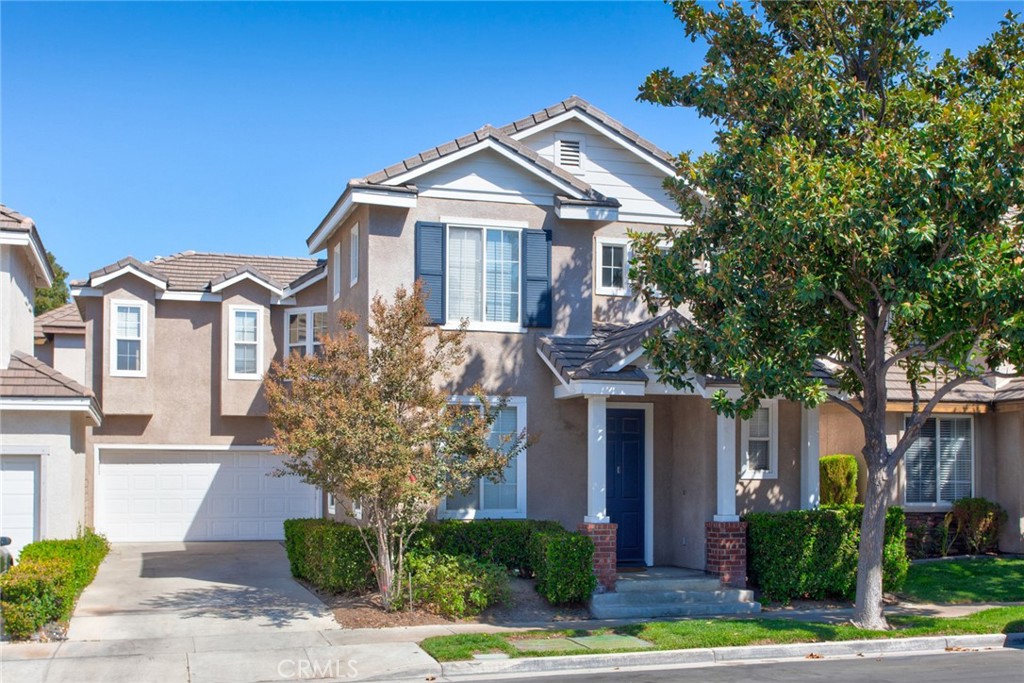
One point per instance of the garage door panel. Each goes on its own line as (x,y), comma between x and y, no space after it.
(19,500)
(185,495)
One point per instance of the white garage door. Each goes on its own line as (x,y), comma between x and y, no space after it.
(197,496)
(19,500)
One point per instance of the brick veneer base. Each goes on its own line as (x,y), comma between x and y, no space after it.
(605,559)
(727,551)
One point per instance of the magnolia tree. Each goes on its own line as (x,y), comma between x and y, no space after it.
(367,420)
(858,209)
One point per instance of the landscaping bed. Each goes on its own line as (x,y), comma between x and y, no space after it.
(708,633)
(964,580)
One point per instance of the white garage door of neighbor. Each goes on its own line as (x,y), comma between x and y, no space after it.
(19,500)
(197,496)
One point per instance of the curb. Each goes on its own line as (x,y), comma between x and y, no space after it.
(712,656)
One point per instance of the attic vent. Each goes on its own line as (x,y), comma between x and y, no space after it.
(570,153)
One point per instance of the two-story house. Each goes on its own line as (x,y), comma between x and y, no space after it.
(44,414)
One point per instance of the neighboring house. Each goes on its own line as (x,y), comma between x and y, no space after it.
(973,446)
(44,414)
(522,230)
(60,341)
(177,348)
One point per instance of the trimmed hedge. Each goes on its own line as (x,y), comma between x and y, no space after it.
(47,580)
(455,585)
(838,474)
(813,553)
(331,555)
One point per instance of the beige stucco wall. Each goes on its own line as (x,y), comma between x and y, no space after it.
(128,395)
(58,439)
(17,293)
(781,492)
(1009,476)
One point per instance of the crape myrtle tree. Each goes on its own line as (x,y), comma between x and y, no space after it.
(367,419)
(858,208)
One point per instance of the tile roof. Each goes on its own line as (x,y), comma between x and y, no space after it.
(28,377)
(63,320)
(578,103)
(196,271)
(12,221)
(246,270)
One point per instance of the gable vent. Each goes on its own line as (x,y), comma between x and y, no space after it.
(569,154)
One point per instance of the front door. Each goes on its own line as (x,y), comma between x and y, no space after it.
(626,482)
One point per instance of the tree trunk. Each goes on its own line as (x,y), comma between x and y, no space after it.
(385,570)
(867,611)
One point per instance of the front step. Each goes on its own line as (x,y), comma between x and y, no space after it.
(654,596)
(678,610)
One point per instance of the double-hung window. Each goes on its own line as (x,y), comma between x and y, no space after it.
(353,256)
(305,327)
(760,442)
(940,463)
(127,339)
(246,343)
(484,276)
(612,266)
(486,498)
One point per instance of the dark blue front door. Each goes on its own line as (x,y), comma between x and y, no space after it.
(626,482)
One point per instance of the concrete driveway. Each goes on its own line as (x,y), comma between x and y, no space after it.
(161,590)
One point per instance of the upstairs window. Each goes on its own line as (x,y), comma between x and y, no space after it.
(353,256)
(305,328)
(760,443)
(336,270)
(940,463)
(128,327)
(246,343)
(484,275)
(612,266)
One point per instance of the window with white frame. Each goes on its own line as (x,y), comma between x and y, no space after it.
(939,465)
(760,443)
(353,256)
(613,266)
(305,327)
(484,276)
(332,506)
(127,339)
(336,270)
(486,498)
(245,350)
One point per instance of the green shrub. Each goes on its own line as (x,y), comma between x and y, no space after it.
(564,566)
(47,580)
(330,555)
(978,522)
(813,553)
(455,585)
(501,541)
(838,474)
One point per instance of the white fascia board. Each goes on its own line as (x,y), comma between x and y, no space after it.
(599,127)
(206,297)
(27,239)
(247,276)
(77,292)
(128,270)
(382,197)
(587,213)
(289,292)
(52,405)
(597,387)
(655,386)
(327,226)
(479,147)
(402,200)
(631,357)
(547,362)
(653,219)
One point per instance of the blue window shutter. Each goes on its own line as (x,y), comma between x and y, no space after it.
(537,278)
(430,264)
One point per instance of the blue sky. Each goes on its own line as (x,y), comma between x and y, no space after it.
(151,128)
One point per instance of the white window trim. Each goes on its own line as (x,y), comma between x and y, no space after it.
(336,271)
(258,375)
(332,505)
(938,506)
(143,337)
(773,444)
(353,256)
(309,311)
(519,402)
(571,137)
(627,255)
(483,325)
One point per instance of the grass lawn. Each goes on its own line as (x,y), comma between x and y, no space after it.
(961,581)
(702,633)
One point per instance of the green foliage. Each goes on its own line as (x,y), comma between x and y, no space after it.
(330,555)
(502,541)
(978,521)
(56,295)
(838,475)
(966,580)
(563,564)
(455,585)
(813,553)
(48,578)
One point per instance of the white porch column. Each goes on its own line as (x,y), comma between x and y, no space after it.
(597,473)
(726,470)
(810,490)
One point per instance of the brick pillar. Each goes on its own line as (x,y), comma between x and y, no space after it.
(605,558)
(727,552)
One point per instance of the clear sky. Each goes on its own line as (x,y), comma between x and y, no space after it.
(146,129)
